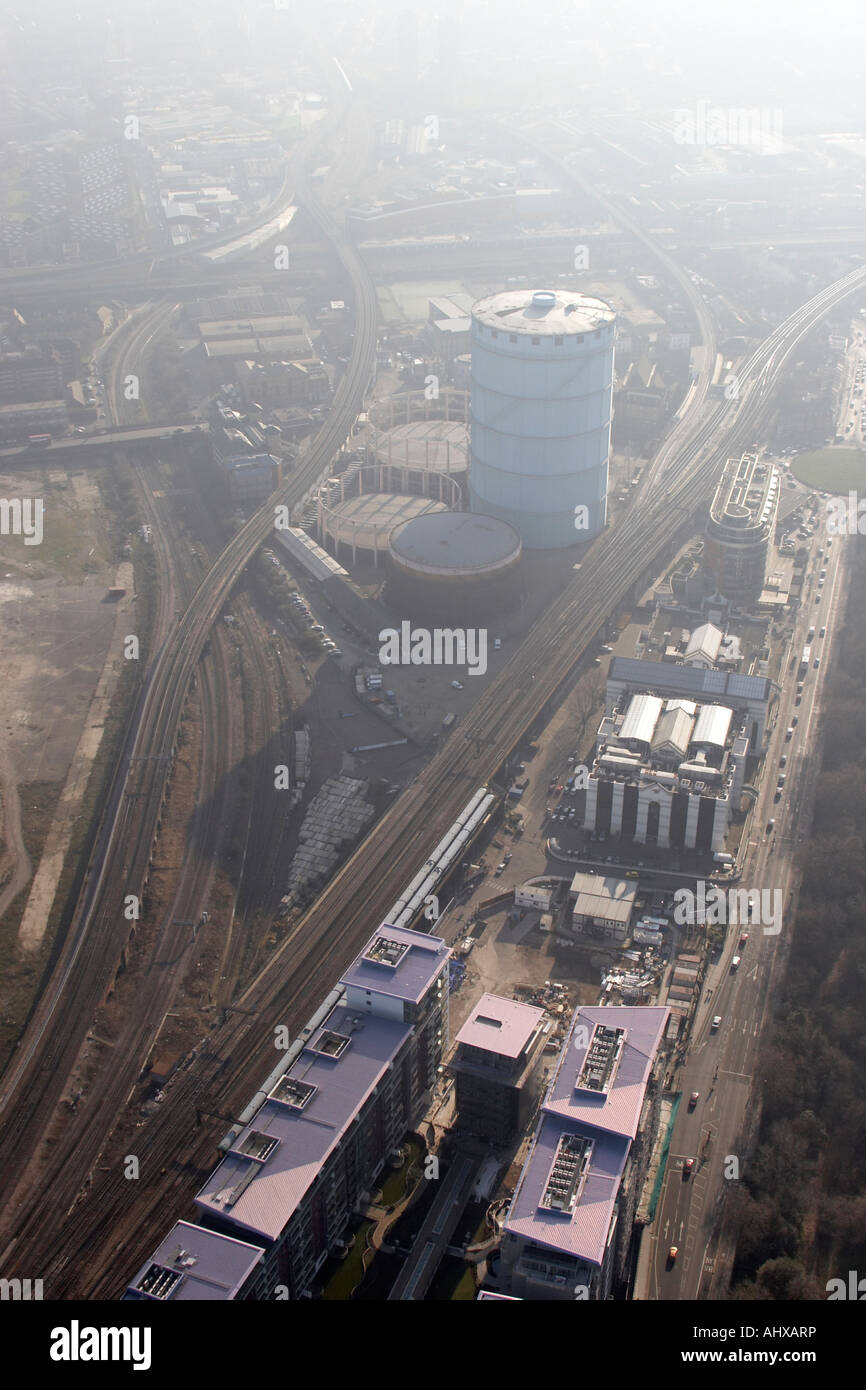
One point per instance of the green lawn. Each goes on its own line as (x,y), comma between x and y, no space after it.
(832,470)
(346,1274)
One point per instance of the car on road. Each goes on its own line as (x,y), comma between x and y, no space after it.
(688,1165)
(777,797)
(456,685)
(716,1023)
(783,761)
(672,1254)
(799,700)
(500,868)
(744,936)
(823,632)
(771,825)
(794,722)
(693,1099)
(735,964)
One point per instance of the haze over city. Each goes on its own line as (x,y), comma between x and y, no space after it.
(432,734)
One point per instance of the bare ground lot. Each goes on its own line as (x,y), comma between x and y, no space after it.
(56,630)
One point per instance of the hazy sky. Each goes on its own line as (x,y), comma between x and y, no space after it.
(740,50)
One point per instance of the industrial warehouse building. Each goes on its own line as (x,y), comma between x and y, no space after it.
(747,696)
(542,371)
(240,452)
(357,511)
(602,907)
(569,1226)
(667,771)
(454,565)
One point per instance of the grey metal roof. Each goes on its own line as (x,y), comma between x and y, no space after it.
(642,715)
(194,1264)
(261,1196)
(688,680)
(453,541)
(712,725)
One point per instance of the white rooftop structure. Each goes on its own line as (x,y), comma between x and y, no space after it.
(704,646)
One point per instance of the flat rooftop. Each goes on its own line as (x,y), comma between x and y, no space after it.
(580,1227)
(617,1108)
(503,1026)
(567,1191)
(543,313)
(748,493)
(264,1177)
(192,1263)
(397,962)
(455,541)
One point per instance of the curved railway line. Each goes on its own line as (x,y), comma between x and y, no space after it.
(81,1259)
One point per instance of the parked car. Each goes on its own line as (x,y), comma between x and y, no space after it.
(688,1165)
(716,1023)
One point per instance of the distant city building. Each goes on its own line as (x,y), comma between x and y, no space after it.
(240,452)
(497,1065)
(642,403)
(32,374)
(568,1231)
(741,528)
(33,417)
(542,368)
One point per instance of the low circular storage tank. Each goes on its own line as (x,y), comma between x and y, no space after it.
(542,374)
(357,511)
(457,566)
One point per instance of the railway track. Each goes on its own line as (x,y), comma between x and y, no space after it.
(81,1260)
(34,1080)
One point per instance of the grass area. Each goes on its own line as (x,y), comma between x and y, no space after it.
(402,1179)
(347,1274)
(831,470)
